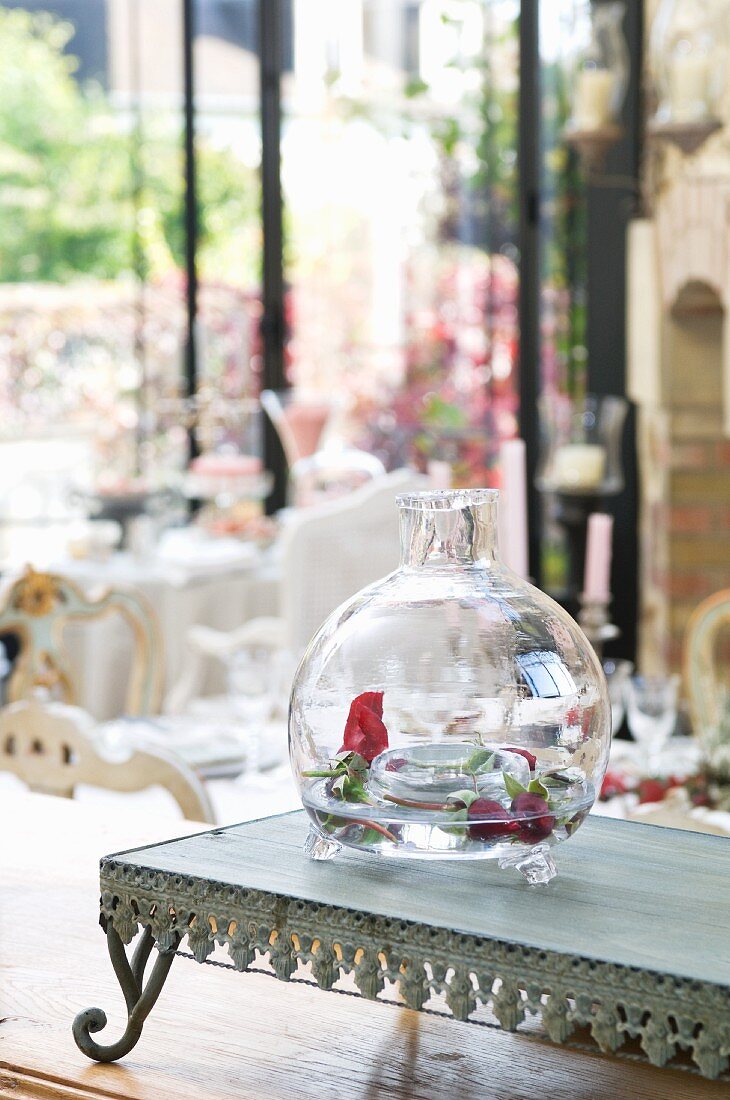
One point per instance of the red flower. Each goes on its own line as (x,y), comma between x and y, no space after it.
(365,733)
(651,790)
(613,784)
(540,822)
(531,760)
(501,824)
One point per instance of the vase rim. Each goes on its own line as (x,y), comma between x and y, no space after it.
(446,500)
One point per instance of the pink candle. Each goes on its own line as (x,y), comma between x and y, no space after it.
(597,578)
(513,507)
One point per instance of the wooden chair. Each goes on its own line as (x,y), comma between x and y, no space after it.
(50,747)
(36,609)
(707,661)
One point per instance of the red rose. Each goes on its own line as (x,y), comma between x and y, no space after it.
(613,785)
(365,733)
(529,757)
(500,823)
(540,822)
(651,790)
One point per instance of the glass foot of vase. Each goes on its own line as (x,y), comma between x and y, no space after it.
(320,847)
(537,865)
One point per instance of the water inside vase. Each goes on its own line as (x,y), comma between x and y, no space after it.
(462,798)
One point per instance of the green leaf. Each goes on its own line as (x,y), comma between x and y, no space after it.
(536,786)
(460,819)
(358,763)
(353,790)
(512,787)
(415,87)
(371,836)
(481,761)
(555,778)
(338,787)
(465,796)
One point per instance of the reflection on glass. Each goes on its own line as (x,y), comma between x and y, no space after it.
(546,675)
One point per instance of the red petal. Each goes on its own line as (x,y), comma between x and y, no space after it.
(352,728)
(375,735)
(529,757)
(371,700)
(365,732)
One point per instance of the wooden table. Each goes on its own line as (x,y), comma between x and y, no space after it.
(218,1035)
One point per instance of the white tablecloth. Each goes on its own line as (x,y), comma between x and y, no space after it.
(191,580)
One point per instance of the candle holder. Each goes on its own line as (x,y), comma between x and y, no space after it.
(688,60)
(592,145)
(599,77)
(594,621)
(579,467)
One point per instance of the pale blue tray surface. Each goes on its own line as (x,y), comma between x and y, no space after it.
(636,895)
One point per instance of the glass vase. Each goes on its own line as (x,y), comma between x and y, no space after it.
(451,710)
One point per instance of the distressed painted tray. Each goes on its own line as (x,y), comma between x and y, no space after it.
(629,945)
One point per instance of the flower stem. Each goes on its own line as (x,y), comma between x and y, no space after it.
(373,825)
(411,802)
(323,774)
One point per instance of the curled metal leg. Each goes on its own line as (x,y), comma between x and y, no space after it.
(140,999)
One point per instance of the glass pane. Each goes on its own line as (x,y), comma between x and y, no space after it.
(228,159)
(91,295)
(563,302)
(228,149)
(399,174)
(563,207)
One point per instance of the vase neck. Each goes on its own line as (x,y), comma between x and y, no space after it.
(453,527)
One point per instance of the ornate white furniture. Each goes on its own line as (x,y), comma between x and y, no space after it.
(36,609)
(52,748)
(707,677)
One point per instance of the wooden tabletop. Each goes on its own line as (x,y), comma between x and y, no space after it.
(219,1035)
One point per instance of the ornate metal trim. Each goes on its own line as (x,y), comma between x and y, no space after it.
(616,1003)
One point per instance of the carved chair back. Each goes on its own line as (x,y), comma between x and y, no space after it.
(51,747)
(707,661)
(36,609)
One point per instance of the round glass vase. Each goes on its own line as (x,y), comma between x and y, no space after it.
(450,710)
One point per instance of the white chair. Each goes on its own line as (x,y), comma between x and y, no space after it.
(53,747)
(328,553)
(331,552)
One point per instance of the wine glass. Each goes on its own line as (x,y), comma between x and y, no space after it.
(651,706)
(259,681)
(617,673)
(249,686)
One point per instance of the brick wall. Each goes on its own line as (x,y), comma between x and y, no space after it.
(679,377)
(686,478)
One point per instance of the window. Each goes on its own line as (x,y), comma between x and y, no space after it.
(400,189)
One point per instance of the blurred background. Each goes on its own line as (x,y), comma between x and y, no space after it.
(258,255)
